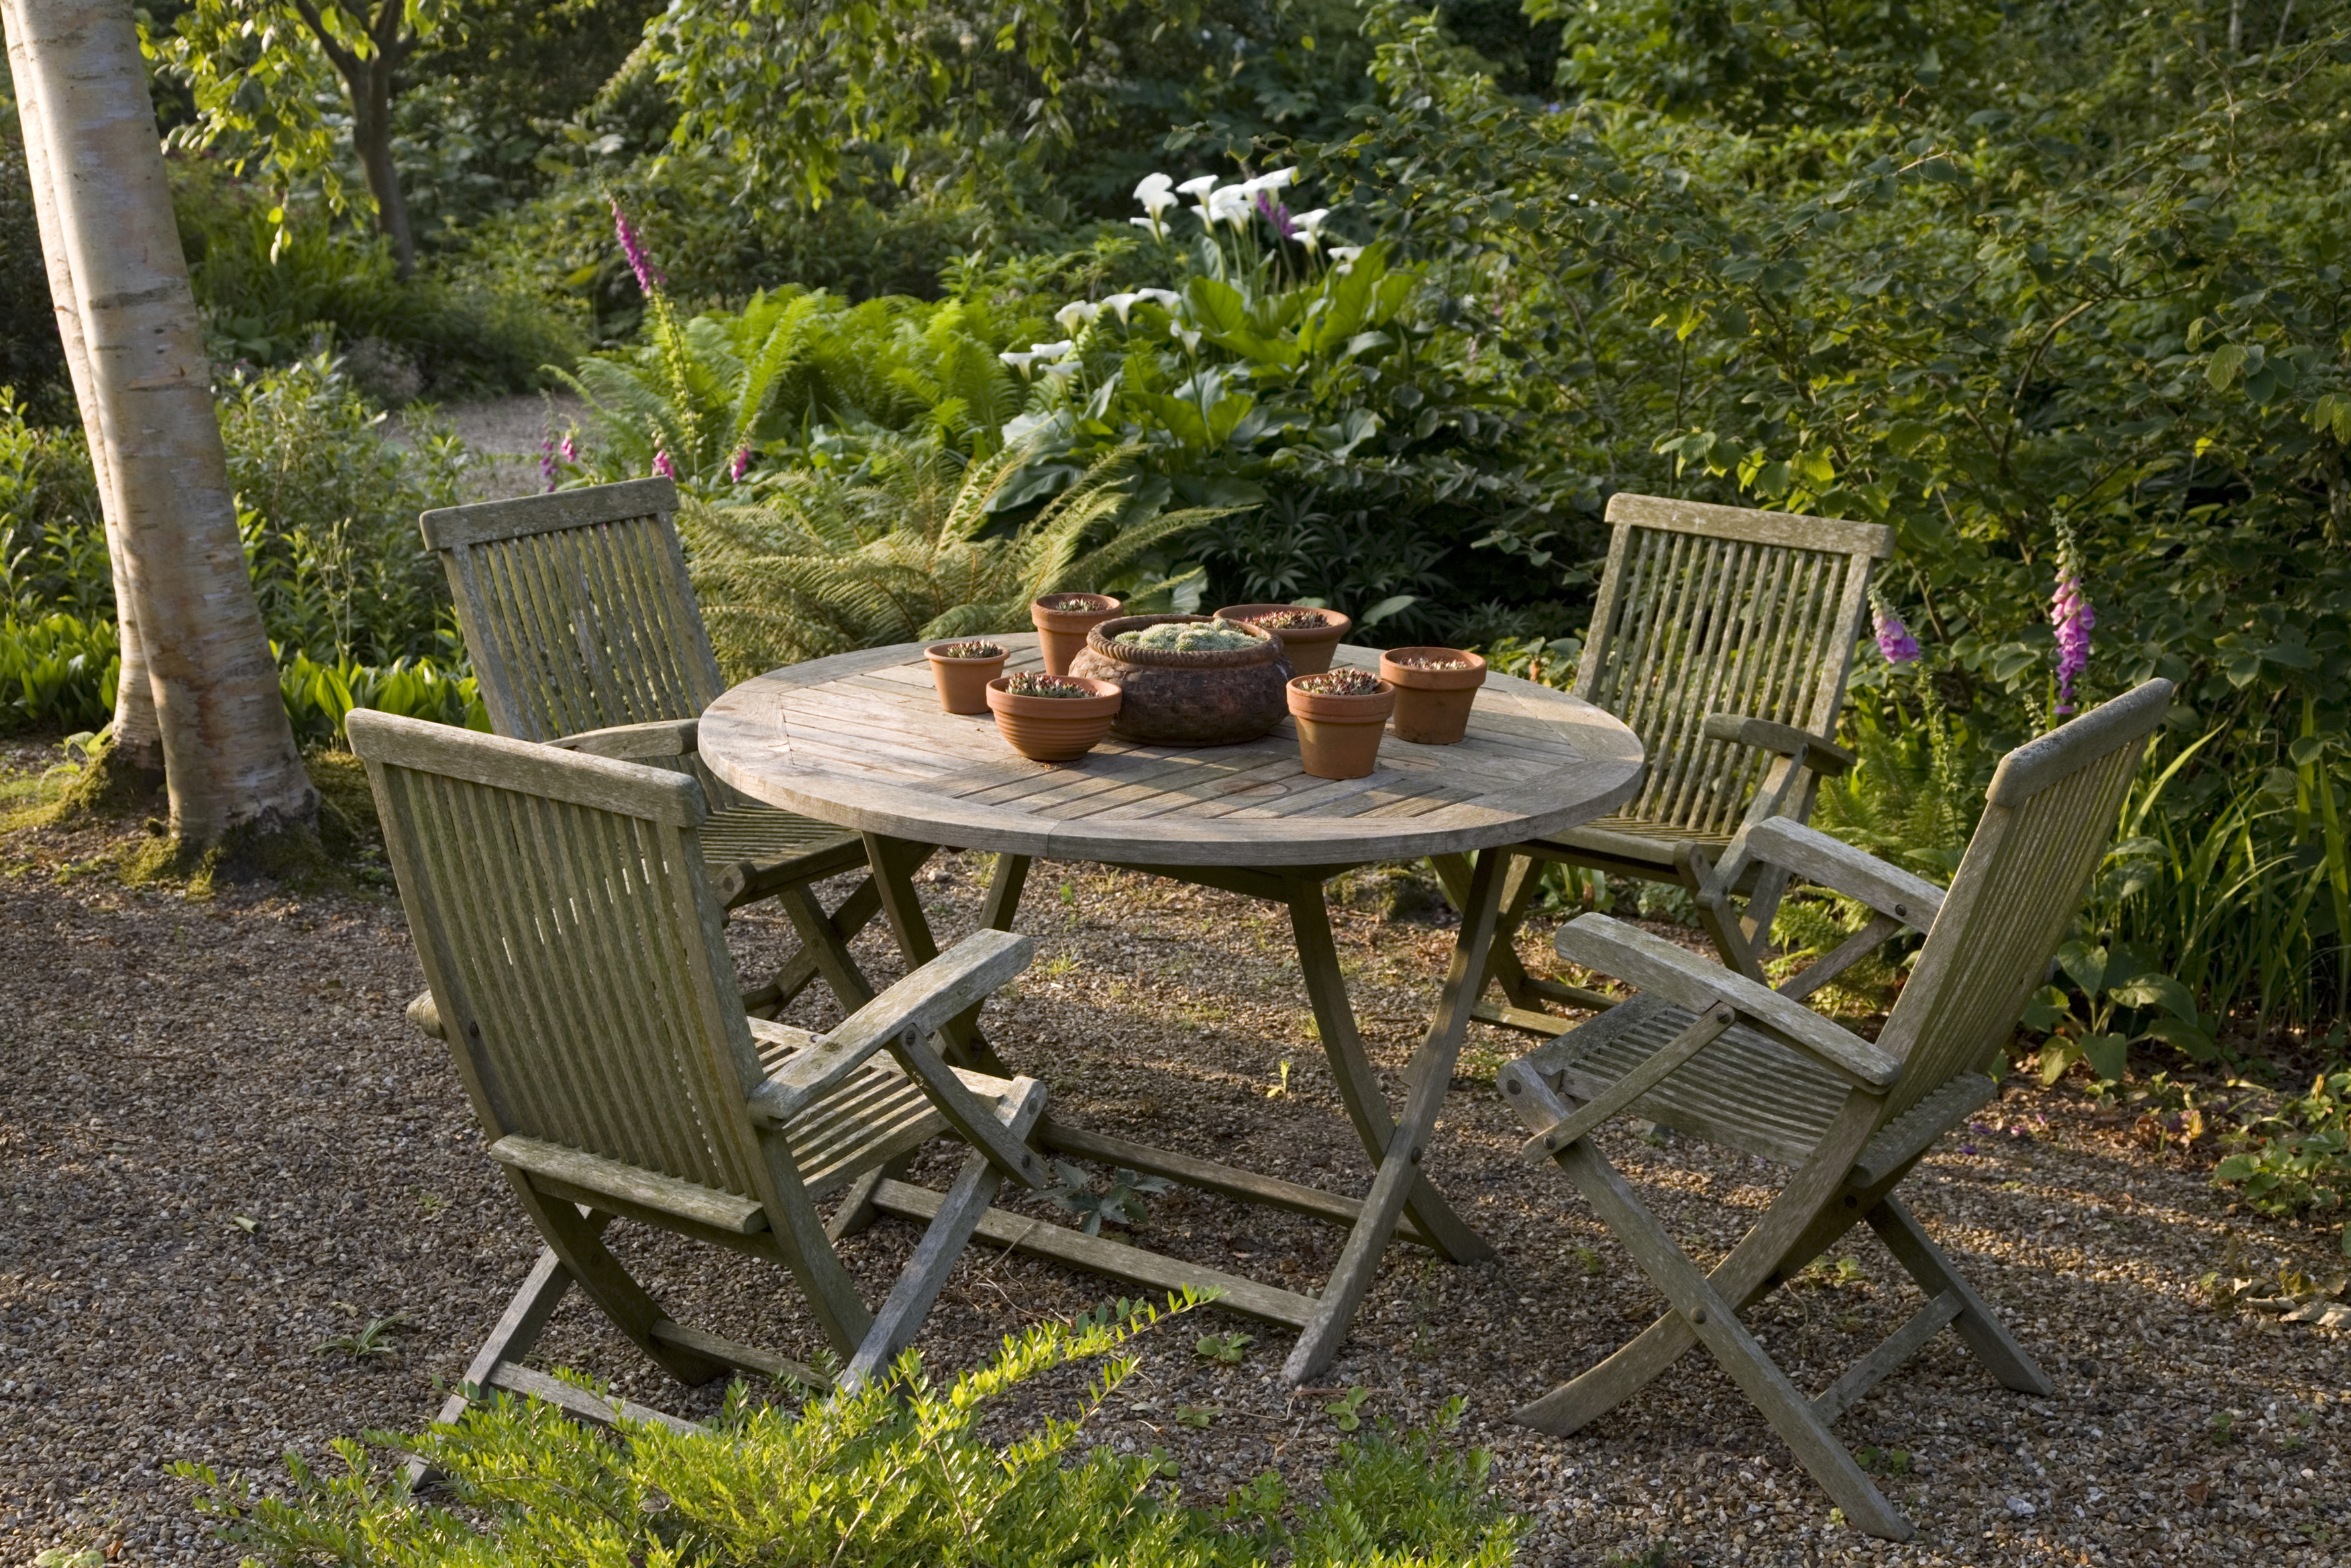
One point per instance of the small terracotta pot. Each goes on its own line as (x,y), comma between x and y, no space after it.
(1308,648)
(962,683)
(1053,729)
(1062,632)
(1339,737)
(1432,706)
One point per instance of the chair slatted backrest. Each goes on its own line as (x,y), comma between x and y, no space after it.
(563,918)
(577,608)
(1707,608)
(2047,820)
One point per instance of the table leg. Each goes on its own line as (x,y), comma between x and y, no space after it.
(1400,1180)
(894,863)
(1358,1081)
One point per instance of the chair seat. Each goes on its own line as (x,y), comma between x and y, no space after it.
(872,1115)
(1623,838)
(1745,1091)
(764,836)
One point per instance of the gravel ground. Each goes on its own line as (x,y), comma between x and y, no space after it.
(503,435)
(220,1147)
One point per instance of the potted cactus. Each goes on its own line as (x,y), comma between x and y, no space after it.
(1062,620)
(1435,688)
(1052,718)
(1189,680)
(1340,714)
(1309,635)
(961,671)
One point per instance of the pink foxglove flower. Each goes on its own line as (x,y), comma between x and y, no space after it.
(2072,617)
(741,466)
(546,469)
(661,465)
(1894,639)
(569,446)
(649,279)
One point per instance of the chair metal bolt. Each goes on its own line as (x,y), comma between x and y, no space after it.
(1512,1086)
(1699,1317)
(1902,909)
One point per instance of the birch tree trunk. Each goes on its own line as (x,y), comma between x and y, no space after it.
(138,742)
(229,758)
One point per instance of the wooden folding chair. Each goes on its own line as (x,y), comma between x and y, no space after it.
(562,911)
(1723,637)
(584,633)
(1707,1051)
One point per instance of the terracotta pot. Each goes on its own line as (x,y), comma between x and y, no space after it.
(1061,633)
(962,683)
(1053,729)
(1339,737)
(1432,706)
(1188,699)
(1308,648)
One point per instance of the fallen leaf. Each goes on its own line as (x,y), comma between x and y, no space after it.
(2197,1492)
(245,1222)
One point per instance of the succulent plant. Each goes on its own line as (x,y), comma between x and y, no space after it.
(1070,601)
(1288,619)
(1030,684)
(1189,637)
(1341,683)
(968,651)
(1425,662)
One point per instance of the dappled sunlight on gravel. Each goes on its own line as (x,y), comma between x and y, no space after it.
(221,1148)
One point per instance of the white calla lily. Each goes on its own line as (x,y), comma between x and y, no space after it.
(1166,297)
(1075,314)
(1121,303)
(1196,184)
(1154,189)
(1059,351)
(1310,223)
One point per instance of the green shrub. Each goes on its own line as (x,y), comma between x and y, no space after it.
(32,360)
(2095,298)
(886,1476)
(463,325)
(58,671)
(327,507)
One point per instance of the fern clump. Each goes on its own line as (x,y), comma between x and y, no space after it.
(891,1474)
(906,549)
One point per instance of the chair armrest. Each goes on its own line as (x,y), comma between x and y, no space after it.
(1837,865)
(655,737)
(1820,754)
(424,1017)
(968,972)
(1652,963)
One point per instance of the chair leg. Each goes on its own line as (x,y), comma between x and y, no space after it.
(517,1331)
(1717,1326)
(802,970)
(944,1239)
(1977,1323)
(824,946)
(577,1242)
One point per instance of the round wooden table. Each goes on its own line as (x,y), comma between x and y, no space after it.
(858,740)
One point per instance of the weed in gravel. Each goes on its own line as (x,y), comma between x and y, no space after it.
(1224,1349)
(2223,1429)
(376,1342)
(1122,1203)
(1198,1416)
(1347,1409)
(1591,1262)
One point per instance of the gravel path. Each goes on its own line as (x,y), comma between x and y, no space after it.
(220,1147)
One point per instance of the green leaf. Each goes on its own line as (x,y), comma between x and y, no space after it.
(2226,361)
(2107,1054)
(2085,965)
(2157,990)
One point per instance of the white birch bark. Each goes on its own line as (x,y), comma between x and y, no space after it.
(228,753)
(137,740)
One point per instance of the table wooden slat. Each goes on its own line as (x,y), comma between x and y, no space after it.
(859,739)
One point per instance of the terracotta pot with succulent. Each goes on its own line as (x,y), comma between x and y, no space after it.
(1062,620)
(1309,635)
(1341,715)
(961,671)
(1189,680)
(1435,688)
(1052,718)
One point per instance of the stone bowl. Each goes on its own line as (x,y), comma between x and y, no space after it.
(1173,698)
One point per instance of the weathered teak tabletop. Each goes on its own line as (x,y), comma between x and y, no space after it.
(859,739)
